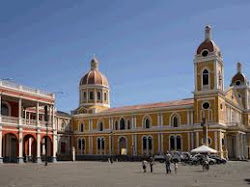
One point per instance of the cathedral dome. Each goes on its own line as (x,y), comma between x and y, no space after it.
(94,76)
(208,45)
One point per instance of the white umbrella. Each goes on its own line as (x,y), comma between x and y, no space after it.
(203,149)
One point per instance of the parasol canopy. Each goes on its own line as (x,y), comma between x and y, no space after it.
(203,149)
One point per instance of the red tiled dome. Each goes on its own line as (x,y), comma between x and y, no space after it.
(94,76)
(208,43)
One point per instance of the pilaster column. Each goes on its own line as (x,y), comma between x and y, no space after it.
(159,143)
(135,144)
(192,140)
(91,145)
(20,146)
(220,144)
(1,141)
(188,117)
(215,141)
(162,146)
(53,118)
(54,145)
(38,147)
(197,139)
(237,147)
(188,141)
(110,146)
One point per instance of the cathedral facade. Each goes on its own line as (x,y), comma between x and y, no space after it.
(156,128)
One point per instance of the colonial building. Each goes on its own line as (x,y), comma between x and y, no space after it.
(23,127)
(155,128)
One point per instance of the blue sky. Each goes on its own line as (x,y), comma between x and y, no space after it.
(145,47)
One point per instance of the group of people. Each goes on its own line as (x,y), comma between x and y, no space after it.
(167,160)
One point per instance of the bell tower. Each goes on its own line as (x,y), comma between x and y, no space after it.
(208,66)
(208,79)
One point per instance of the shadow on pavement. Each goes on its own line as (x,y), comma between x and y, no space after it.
(248,181)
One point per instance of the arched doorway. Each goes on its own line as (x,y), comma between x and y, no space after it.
(10,148)
(123,146)
(29,148)
(46,148)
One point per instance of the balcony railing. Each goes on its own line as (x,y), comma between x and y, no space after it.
(9,119)
(26,89)
(29,122)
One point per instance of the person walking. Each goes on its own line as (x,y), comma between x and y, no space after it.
(168,162)
(144,166)
(151,163)
(175,167)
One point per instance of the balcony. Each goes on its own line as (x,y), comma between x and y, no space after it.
(15,120)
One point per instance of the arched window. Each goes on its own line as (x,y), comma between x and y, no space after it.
(98,95)
(147,145)
(81,145)
(81,127)
(5,109)
(175,121)
(100,126)
(105,96)
(100,145)
(146,123)
(122,124)
(178,142)
(128,124)
(150,143)
(116,125)
(172,143)
(205,77)
(63,125)
(144,143)
(91,95)
(84,95)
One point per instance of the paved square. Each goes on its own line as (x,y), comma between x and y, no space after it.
(121,174)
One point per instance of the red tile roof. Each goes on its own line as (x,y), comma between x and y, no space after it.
(151,105)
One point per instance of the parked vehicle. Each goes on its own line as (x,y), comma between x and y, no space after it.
(176,156)
(218,159)
(197,159)
(159,158)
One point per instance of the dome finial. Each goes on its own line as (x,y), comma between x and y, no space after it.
(208,35)
(239,66)
(94,63)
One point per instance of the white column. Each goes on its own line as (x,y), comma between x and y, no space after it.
(54,145)
(192,117)
(38,147)
(37,114)
(30,142)
(135,121)
(1,143)
(188,120)
(220,144)
(215,140)
(20,111)
(53,118)
(197,139)
(20,145)
(161,119)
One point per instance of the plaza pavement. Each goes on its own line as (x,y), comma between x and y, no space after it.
(122,174)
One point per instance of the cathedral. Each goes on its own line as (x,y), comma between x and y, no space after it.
(32,130)
(149,129)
